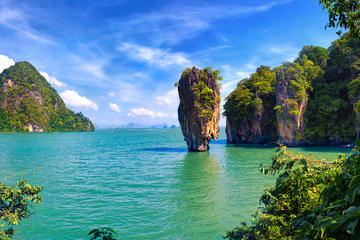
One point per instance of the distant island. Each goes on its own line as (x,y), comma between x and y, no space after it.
(313,100)
(29,104)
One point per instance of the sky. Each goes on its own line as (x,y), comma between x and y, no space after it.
(117,61)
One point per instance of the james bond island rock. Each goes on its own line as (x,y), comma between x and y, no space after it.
(29,103)
(250,117)
(199,109)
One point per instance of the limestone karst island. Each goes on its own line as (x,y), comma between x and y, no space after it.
(29,103)
(186,120)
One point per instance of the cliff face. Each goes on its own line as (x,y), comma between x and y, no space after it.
(199,109)
(249,109)
(272,104)
(291,104)
(257,129)
(29,103)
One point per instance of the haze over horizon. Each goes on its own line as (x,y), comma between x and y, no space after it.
(117,61)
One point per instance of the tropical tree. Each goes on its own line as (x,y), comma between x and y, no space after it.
(15,204)
(102,233)
(344,14)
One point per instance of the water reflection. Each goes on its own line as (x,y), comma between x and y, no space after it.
(199,200)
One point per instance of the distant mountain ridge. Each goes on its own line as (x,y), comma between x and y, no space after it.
(29,103)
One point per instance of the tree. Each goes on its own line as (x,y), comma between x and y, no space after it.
(344,14)
(15,204)
(102,233)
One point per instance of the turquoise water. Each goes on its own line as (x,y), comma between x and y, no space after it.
(141,182)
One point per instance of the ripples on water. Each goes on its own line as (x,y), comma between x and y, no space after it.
(141,182)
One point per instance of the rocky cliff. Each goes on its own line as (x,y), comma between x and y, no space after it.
(310,101)
(199,109)
(29,103)
(249,109)
(291,102)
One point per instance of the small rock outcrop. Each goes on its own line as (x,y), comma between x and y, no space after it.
(291,102)
(199,109)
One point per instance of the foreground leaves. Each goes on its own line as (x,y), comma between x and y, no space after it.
(102,233)
(311,200)
(15,204)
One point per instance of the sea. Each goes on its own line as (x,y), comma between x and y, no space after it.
(143,183)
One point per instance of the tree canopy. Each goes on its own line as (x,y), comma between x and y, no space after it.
(344,14)
(15,205)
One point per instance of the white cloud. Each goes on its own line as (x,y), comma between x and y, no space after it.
(156,56)
(94,69)
(170,98)
(174,24)
(5,62)
(18,21)
(111,94)
(287,52)
(114,107)
(146,112)
(242,75)
(72,98)
(53,80)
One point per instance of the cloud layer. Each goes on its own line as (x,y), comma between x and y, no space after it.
(146,112)
(5,62)
(154,56)
(114,107)
(53,80)
(72,98)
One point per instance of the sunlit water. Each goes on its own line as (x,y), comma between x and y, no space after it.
(141,182)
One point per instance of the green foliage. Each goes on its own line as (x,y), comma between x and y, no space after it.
(263,80)
(15,204)
(344,14)
(300,181)
(301,73)
(339,213)
(102,233)
(204,99)
(252,95)
(331,98)
(215,73)
(238,103)
(317,55)
(27,97)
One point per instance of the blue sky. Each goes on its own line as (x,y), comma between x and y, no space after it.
(117,61)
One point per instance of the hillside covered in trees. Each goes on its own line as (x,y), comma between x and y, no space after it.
(313,100)
(29,103)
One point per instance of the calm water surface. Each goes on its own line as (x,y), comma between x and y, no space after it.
(141,182)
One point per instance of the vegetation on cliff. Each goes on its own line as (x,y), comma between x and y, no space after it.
(311,200)
(320,84)
(29,103)
(333,98)
(205,98)
(251,95)
(199,109)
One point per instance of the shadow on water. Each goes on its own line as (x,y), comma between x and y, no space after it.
(163,149)
(220,141)
(254,145)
